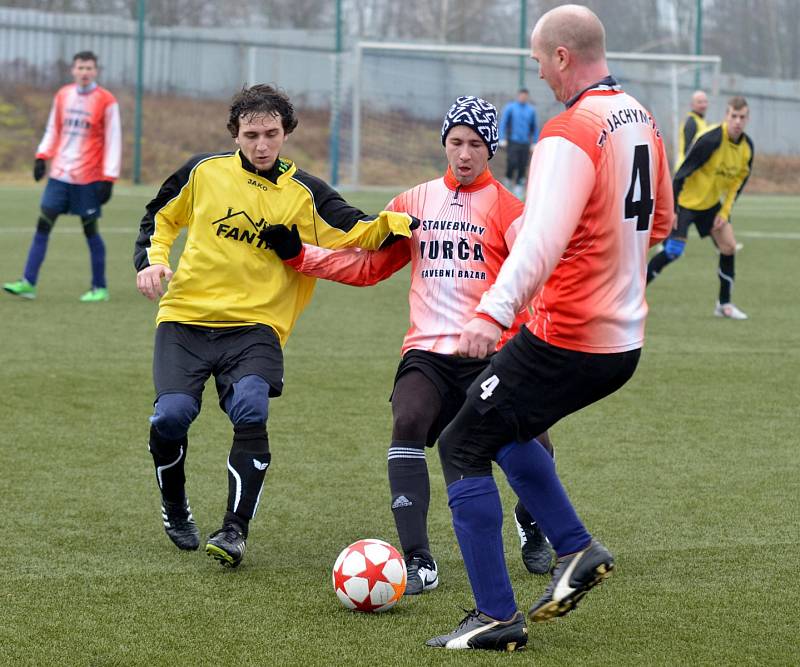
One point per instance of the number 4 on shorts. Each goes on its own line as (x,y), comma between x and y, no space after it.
(488,386)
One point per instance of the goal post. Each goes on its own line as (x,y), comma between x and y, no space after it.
(401,91)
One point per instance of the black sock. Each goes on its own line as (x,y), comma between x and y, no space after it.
(523,515)
(169,457)
(411,494)
(726,275)
(247,466)
(656,264)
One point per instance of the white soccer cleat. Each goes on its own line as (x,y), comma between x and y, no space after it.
(730,311)
(422,575)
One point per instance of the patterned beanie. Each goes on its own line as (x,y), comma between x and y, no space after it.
(477,114)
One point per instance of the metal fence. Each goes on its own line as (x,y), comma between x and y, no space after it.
(36,48)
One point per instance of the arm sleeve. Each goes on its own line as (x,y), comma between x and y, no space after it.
(689,130)
(738,185)
(353,266)
(337,224)
(164,217)
(546,230)
(112,144)
(47,146)
(663,216)
(703,148)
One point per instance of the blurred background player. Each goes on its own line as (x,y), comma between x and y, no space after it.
(578,263)
(708,182)
(692,126)
(467,228)
(232,304)
(518,133)
(83,142)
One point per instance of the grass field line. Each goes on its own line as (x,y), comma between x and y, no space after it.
(780,236)
(777,236)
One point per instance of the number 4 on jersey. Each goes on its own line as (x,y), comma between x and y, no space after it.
(642,208)
(488,386)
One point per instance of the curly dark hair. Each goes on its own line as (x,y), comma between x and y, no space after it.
(261,99)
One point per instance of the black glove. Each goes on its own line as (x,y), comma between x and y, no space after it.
(414,223)
(104,189)
(284,241)
(38,169)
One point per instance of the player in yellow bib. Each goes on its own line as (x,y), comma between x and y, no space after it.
(692,126)
(706,185)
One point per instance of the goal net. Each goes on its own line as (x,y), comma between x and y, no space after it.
(397,94)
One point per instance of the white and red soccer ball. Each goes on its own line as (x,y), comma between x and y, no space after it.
(369,575)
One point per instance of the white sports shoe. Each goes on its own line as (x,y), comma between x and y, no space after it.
(730,311)
(421,575)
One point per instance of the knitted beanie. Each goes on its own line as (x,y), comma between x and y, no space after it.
(477,114)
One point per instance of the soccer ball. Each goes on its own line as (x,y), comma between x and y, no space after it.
(369,575)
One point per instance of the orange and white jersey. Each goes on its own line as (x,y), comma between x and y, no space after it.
(599,195)
(83,139)
(464,236)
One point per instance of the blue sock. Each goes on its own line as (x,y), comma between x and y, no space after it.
(97,252)
(36,257)
(478,521)
(531,472)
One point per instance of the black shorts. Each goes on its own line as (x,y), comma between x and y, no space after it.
(530,385)
(451,375)
(185,356)
(703,220)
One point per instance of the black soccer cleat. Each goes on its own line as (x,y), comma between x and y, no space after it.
(421,575)
(537,555)
(573,577)
(179,524)
(227,545)
(479,631)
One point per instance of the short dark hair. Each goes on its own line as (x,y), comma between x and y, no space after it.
(523,90)
(84,55)
(737,102)
(258,100)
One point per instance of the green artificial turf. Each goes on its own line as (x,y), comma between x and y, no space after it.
(689,474)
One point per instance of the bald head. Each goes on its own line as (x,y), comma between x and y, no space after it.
(699,102)
(575,28)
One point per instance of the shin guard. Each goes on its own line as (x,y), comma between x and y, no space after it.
(169,457)
(247,466)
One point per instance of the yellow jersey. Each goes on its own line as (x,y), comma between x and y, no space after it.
(692,127)
(226,276)
(714,172)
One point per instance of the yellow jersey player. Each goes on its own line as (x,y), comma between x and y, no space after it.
(692,126)
(232,303)
(706,185)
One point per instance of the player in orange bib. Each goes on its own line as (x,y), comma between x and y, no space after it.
(83,142)
(468,225)
(599,195)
